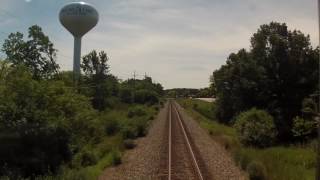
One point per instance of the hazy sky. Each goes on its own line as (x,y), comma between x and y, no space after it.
(177,42)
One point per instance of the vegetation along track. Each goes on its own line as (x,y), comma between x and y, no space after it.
(184,161)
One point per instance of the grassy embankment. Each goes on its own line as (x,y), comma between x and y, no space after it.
(280,162)
(122,125)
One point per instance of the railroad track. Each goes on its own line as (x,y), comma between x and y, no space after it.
(183,158)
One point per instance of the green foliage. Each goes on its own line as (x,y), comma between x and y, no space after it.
(126,95)
(146,96)
(50,129)
(136,111)
(141,91)
(37,53)
(256,128)
(302,129)
(85,158)
(112,126)
(102,85)
(256,171)
(276,74)
(33,119)
(290,162)
(115,158)
(182,92)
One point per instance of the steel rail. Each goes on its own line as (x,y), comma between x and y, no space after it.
(195,163)
(170,142)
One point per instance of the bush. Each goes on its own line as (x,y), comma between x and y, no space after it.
(115,158)
(302,128)
(128,132)
(195,106)
(141,130)
(85,158)
(136,111)
(111,127)
(242,159)
(126,95)
(256,171)
(146,96)
(256,128)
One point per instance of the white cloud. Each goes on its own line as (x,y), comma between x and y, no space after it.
(178,42)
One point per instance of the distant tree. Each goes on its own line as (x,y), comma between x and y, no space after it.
(142,91)
(37,53)
(95,64)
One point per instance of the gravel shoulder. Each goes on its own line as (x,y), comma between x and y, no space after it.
(144,161)
(218,161)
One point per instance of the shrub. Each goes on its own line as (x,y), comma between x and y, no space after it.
(256,128)
(195,106)
(256,171)
(302,128)
(136,111)
(146,96)
(126,95)
(85,158)
(112,126)
(242,159)
(141,130)
(115,158)
(128,132)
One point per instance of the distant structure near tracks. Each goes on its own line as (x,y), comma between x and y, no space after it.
(207,99)
(78,18)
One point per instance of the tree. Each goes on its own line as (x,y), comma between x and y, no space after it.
(42,123)
(278,72)
(37,53)
(95,64)
(96,69)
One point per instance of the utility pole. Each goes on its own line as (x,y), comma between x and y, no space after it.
(318,116)
(134,85)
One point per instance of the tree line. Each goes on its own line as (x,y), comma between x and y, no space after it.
(277,75)
(189,93)
(44,120)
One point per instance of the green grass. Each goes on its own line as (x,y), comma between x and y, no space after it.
(107,151)
(280,162)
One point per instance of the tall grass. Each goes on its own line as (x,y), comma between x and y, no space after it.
(280,162)
(90,162)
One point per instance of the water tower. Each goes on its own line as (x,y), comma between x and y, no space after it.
(78,18)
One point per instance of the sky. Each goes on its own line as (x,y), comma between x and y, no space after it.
(179,43)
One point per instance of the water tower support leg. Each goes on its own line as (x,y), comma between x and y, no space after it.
(76,60)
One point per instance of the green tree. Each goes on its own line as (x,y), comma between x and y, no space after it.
(278,72)
(42,123)
(302,128)
(37,53)
(101,84)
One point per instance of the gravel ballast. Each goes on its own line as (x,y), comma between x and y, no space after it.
(147,159)
(218,161)
(144,161)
